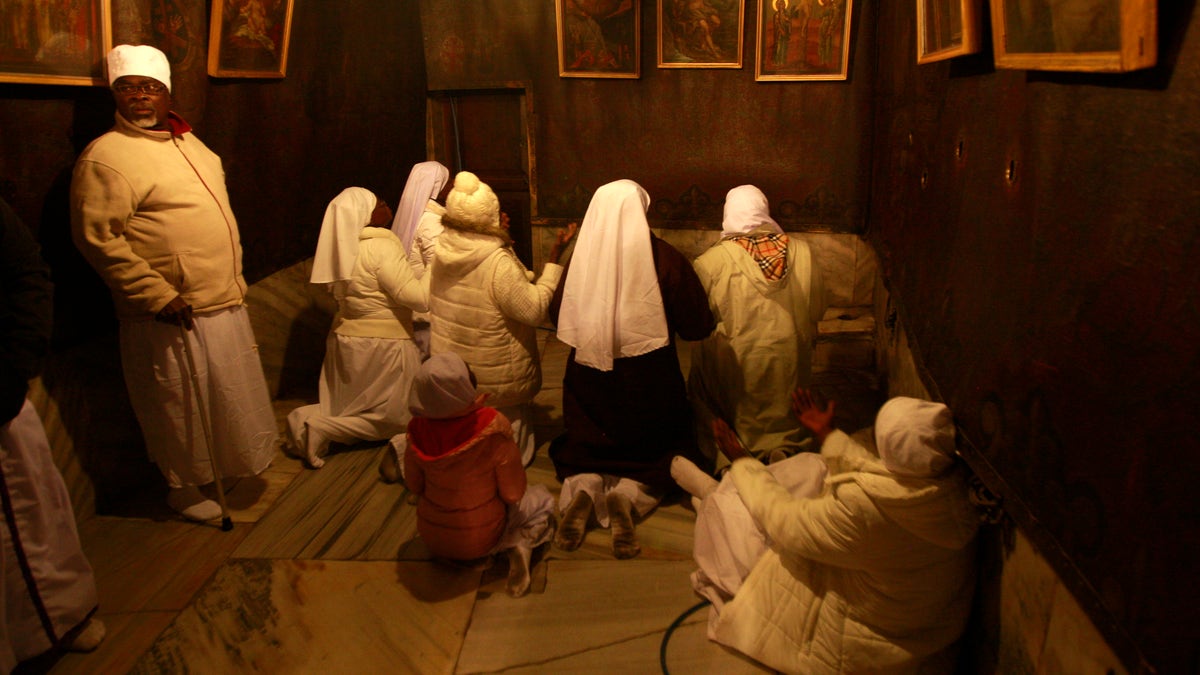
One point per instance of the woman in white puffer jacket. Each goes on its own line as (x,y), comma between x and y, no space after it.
(870,571)
(483,305)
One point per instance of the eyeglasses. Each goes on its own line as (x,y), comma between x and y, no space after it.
(153,88)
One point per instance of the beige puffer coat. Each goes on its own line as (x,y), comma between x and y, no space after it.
(484,308)
(874,576)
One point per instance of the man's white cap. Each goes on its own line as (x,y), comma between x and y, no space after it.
(141,60)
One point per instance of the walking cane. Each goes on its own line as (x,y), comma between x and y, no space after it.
(226,521)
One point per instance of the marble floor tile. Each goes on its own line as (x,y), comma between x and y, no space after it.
(1072,643)
(594,616)
(340,512)
(145,565)
(249,498)
(295,616)
(690,651)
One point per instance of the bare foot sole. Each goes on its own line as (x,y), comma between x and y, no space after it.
(624,537)
(573,525)
(518,571)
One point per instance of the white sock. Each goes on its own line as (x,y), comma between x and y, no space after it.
(188,502)
(691,478)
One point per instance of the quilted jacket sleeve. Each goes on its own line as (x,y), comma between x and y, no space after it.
(102,201)
(825,529)
(414,473)
(396,276)
(517,298)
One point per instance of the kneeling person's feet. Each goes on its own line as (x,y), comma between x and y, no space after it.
(188,502)
(518,570)
(624,537)
(389,466)
(691,478)
(574,522)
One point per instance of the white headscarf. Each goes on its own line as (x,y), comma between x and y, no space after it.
(442,388)
(142,60)
(915,437)
(746,210)
(425,181)
(612,306)
(337,246)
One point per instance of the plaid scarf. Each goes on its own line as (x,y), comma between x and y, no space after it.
(769,250)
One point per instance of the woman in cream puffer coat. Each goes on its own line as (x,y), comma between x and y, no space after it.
(483,305)
(874,574)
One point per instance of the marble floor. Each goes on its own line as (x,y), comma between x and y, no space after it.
(323,572)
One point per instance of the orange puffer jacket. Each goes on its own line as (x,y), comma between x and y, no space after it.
(465,491)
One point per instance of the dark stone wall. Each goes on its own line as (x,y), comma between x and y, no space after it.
(686,135)
(1038,232)
(351,111)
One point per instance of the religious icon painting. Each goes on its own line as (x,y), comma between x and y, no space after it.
(1112,36)
(947,28)
(55,42)
(803,40)
(249,38)
(599,38)
(700,33)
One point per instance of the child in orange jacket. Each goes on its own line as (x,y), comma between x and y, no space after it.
(466,470)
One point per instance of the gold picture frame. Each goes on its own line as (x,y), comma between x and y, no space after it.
(599,38)
(249,38)
(947,28)
(56,43)
(700,33)
(803,40)
(1108,36)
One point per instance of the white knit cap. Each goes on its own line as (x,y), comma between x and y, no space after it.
(915,437)
(141,60)
(442,388)
(472,203)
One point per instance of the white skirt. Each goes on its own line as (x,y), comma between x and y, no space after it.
(363,395)
(230,378)
(728,541)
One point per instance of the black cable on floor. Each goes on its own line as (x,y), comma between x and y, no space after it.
(662,650)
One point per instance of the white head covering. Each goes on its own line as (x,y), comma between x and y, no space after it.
(472,205)
(746,210)
(142,60)
(915,437)
(425,181)
(442,388)
(612,306)
(337,246)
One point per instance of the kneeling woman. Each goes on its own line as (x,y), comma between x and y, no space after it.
(370,356)
(625,408)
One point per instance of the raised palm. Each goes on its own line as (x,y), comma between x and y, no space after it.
(816,420)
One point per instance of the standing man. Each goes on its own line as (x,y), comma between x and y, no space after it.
(149,211)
